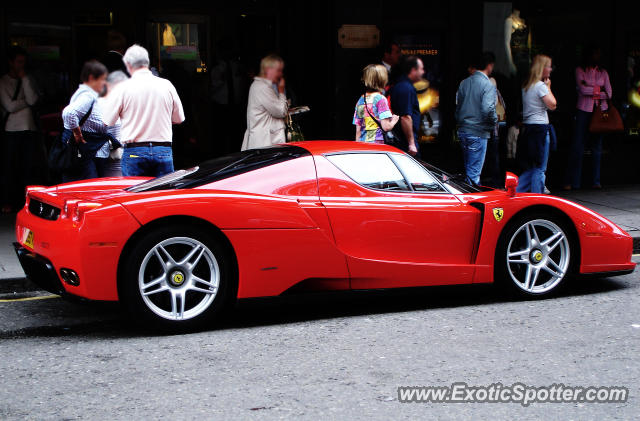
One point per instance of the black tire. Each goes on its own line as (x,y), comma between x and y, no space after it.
(143,311)
(513,277)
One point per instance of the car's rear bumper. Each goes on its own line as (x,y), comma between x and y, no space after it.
(89,248)
(39,270)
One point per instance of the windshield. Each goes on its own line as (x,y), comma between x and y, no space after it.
(220,168)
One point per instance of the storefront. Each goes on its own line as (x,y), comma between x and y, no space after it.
(211,52)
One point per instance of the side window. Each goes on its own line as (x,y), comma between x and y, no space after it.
(372,170)
(420,179)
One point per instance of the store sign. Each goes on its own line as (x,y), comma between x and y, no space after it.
(358,36)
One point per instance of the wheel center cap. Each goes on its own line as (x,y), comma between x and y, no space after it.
(537,256)
(177,278)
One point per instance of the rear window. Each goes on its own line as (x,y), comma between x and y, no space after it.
(221,168)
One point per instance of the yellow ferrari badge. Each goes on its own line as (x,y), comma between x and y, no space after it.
(178,278)
(498,213)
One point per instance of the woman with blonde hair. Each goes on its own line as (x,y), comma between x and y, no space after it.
(537,135)
(267,106)
(372,115)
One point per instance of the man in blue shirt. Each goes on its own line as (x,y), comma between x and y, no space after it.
(404,103)
(476,116)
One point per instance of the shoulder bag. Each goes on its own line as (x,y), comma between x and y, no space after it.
(64,154)
(608,121)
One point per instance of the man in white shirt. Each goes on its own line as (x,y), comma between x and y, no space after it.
(17,96)
(147,106)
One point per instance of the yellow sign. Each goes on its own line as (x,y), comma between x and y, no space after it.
(29,241)
(498,213)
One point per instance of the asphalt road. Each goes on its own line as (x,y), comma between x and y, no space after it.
(328,356)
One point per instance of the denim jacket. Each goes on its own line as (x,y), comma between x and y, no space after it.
(476,106)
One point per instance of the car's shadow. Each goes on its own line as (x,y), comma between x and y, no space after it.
(106,320)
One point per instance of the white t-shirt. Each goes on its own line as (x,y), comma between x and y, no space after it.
(534,110)
(146,106)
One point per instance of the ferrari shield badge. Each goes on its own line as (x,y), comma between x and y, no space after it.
(498,213)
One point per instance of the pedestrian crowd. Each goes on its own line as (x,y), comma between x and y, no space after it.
(119,122)
(388,112)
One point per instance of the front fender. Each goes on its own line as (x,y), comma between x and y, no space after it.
(604,247)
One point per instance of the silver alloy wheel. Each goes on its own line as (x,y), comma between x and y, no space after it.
(538,256)
(173,268)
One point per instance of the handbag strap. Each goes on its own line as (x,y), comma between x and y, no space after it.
(366,107)
(86,116)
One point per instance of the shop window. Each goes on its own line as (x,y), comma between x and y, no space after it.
(176,43)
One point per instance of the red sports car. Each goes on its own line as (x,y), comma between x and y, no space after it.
(322,215)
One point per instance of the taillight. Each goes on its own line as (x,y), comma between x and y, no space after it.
(75,209)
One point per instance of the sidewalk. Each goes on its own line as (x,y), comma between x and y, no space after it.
(9,266)
(619,204)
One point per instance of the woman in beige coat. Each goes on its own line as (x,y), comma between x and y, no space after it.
(267,109)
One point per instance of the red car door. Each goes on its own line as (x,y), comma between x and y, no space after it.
(395,223)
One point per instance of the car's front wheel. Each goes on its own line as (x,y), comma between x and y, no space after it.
(534,256)
(176,277)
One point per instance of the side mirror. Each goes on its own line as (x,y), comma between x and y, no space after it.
(510,184)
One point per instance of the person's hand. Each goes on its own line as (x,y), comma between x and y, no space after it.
(413,150)
(547,82)
(281,86)
(77,136)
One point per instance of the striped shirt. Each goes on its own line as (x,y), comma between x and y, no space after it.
(591,84)
(78,106)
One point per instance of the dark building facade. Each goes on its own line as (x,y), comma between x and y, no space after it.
(211,50)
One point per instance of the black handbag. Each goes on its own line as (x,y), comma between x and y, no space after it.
(389,137)
(64,154)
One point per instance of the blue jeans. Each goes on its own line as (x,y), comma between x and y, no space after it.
(581,133)
(533,179)
(474,149)
(148,161)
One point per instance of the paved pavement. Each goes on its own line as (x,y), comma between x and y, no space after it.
(9,265)
(327,356)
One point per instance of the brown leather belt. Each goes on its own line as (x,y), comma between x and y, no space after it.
(145,144)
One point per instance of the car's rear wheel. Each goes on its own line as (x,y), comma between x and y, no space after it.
(177,278)
(534,256)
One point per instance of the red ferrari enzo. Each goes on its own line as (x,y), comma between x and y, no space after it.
(331,215)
